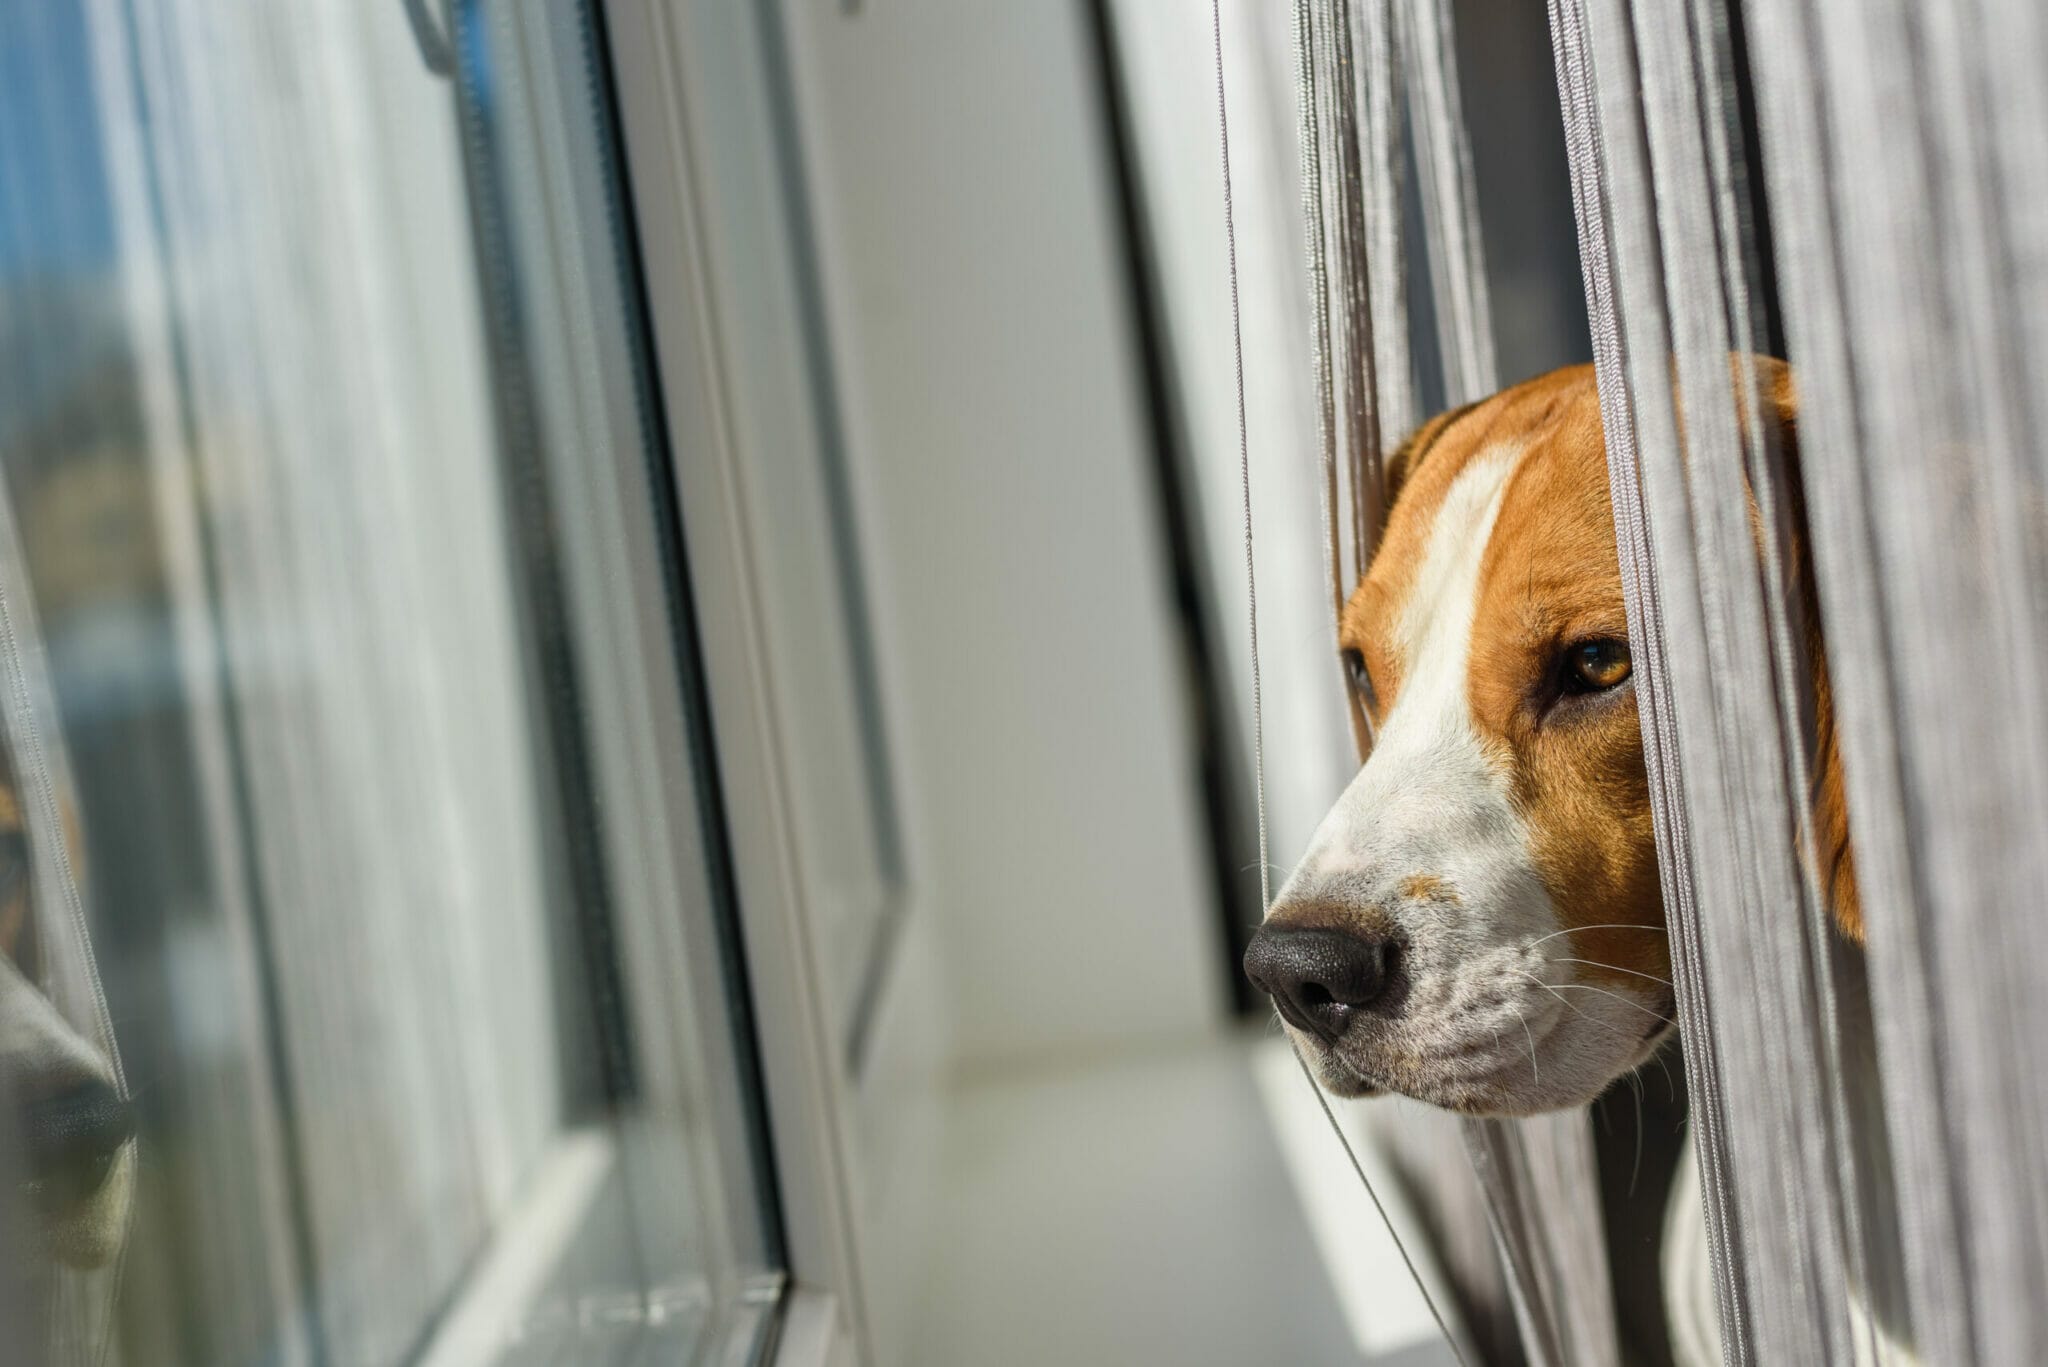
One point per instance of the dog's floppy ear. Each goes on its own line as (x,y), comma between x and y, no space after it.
(1402,464)
(1834,859)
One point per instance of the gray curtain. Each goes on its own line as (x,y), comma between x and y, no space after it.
(1869,1125)
(1864,187)
(1373,78)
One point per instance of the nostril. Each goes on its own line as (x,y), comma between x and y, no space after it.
(1357,978)
(1384,969)
(1318,979)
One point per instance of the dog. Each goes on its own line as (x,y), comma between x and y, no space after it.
(1478,922)
(70,1156)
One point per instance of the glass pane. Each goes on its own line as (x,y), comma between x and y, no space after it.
(784,415)
(366,986)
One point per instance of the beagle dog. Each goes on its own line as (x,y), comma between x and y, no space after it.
(69,1154)
(1478,922)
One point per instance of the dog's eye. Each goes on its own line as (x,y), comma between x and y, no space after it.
(1594,666)
(1360,679)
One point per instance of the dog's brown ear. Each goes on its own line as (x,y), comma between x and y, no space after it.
(1835,861)
(1402,464)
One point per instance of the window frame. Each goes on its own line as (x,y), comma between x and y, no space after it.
(811,1097)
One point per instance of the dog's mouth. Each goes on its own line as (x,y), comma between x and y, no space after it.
(1340,1079)
(1664,1015)
(1470,1088)
(71,1139)
(1518,1071)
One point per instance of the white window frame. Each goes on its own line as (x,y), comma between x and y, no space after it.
(687,76)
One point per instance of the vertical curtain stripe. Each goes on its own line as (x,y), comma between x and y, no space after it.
(1537,1175)
(1871,1156)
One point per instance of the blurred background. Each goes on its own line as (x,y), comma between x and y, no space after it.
(630,710)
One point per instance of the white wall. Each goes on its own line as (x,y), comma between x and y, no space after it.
(1018,574)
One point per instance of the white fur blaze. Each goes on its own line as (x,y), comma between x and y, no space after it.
(1426,846)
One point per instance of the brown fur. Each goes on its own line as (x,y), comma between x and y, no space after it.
(1422,886)
(1835,865)
(1551,578)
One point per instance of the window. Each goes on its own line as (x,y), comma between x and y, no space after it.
(371,988)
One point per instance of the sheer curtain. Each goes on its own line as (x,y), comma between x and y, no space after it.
(58,1283)
(287,647)
(302,298)
(341,508)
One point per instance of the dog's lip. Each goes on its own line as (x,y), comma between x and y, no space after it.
(1345,1081)
(1464,1069)
(1470,1066)
(1666,1007)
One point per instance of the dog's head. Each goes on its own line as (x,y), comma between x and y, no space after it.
(71,1153)
(1478,921)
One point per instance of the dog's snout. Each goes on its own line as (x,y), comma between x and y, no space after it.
(72,1138)
(1318,978)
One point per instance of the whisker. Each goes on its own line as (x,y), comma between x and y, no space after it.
(1595,963)
(1607,925)
(1611,1029)
(1570,1007)
(1636,1168)
(1535,1078)
(1588,987)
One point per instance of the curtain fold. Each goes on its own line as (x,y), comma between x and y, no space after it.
(1869,1138)
(1839,558)
(1373,83)
(299,294)
(62,1307)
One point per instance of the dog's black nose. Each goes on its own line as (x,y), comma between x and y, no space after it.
(1318,978)
(72,1137)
